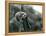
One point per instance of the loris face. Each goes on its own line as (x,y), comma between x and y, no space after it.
(20,15)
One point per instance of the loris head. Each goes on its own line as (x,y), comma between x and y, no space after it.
(20,15)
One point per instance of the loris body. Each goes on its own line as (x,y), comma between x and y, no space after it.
(23,23)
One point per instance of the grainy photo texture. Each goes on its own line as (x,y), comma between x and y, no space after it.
(25,18)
